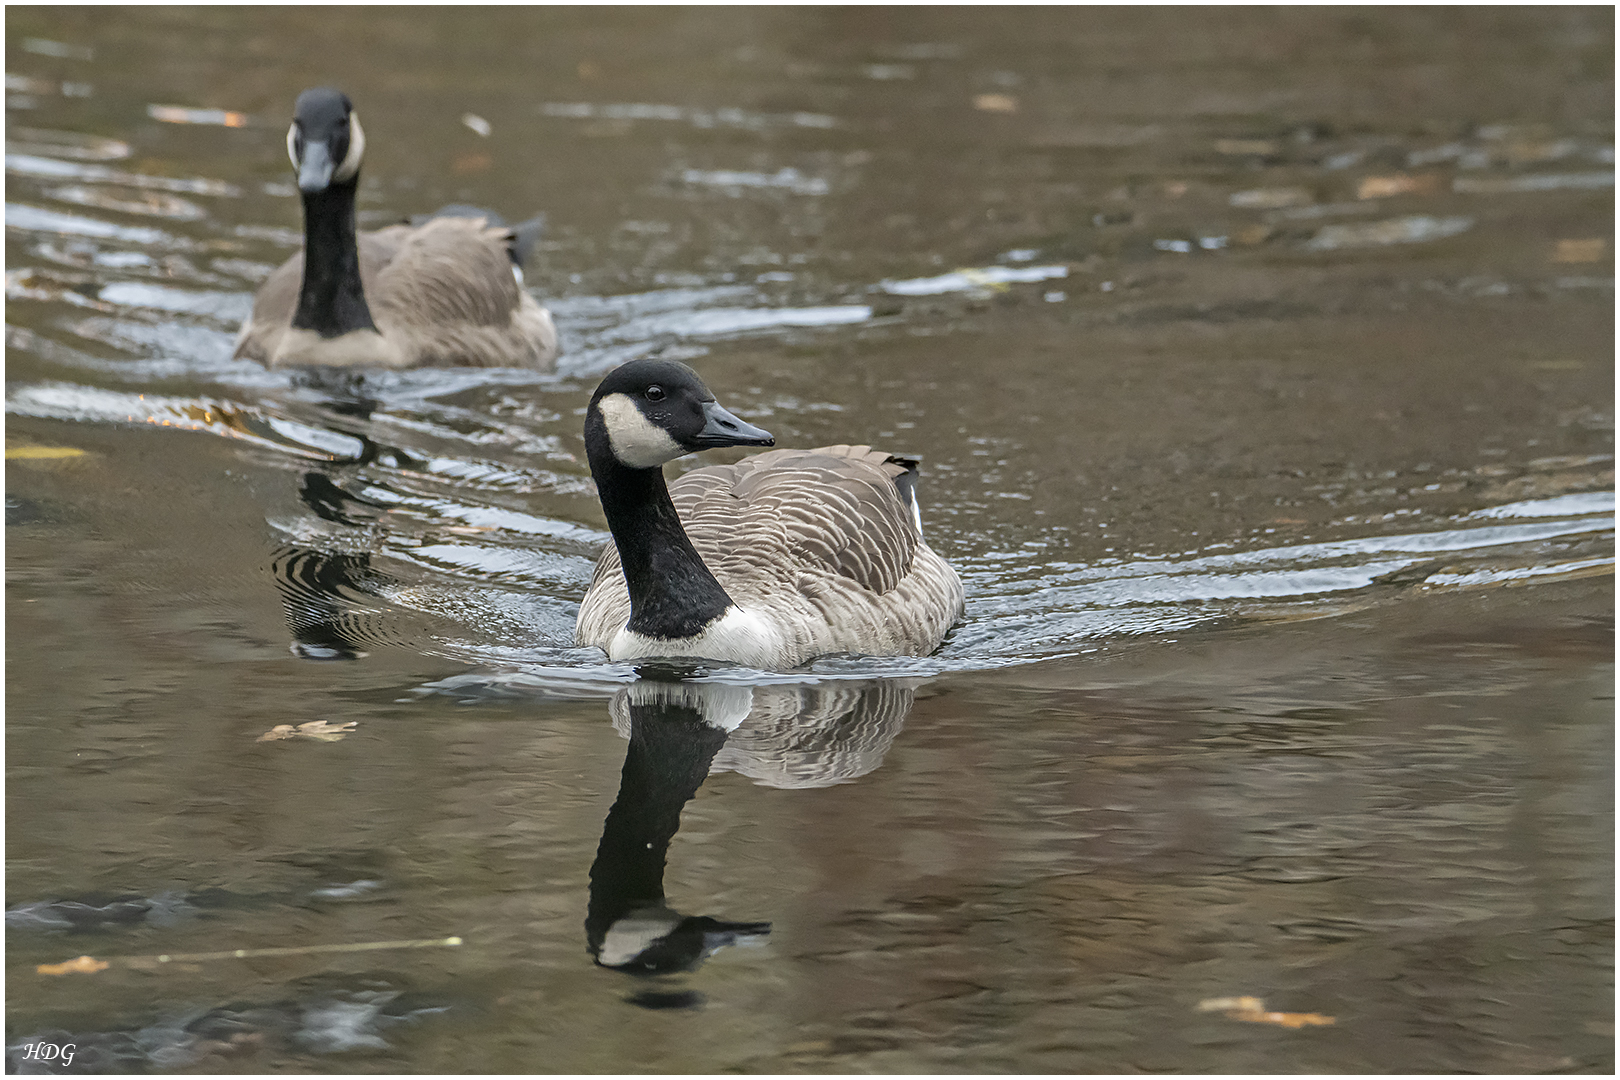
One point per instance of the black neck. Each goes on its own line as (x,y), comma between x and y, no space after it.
(331,301)
(669,756)
(672,592)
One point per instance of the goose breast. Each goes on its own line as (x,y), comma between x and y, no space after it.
(825,544)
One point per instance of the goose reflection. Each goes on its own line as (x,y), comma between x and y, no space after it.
(320,588)
(679,732)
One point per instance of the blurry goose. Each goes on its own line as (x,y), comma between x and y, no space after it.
(768,563)
(443,291)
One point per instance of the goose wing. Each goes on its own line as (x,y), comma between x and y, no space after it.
(449,270)
(835,510)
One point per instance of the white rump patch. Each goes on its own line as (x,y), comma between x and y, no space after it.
(636,441)
(737,637)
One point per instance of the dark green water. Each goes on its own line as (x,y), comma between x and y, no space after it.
(1261,365)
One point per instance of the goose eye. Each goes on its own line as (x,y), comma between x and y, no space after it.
(655,393)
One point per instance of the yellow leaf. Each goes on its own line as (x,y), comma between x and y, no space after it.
(34,453)
(86,965)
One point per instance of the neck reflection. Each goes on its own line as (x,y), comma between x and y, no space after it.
(675,731)
(805,736)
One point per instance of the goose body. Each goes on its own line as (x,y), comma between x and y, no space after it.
(444,291)
(769,562)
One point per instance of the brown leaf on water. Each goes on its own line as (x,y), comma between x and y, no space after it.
(995,103)
(84,965)
(466,164)
(1253,1010)
(313,729)
(1382,187)
(1281,1019)
(1573,251)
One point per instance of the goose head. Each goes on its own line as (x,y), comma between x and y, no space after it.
(648,412)
(325,141)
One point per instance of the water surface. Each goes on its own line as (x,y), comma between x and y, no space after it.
(1260,363)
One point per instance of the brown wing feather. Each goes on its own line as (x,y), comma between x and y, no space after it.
(838,507)
(449,270)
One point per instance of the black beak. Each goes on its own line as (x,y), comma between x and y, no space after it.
(720,428)
(315,170)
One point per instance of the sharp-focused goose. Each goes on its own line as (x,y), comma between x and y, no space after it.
(445,292)
(769,563)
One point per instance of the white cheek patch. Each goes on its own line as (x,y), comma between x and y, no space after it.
(636,441)
(292,144)
(357,150)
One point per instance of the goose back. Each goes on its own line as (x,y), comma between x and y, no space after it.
(825,544)
(441,293)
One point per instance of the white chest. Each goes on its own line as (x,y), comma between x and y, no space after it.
(357,348)
(737,637)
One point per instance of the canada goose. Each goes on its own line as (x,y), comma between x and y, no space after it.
(443,292)
(768,563)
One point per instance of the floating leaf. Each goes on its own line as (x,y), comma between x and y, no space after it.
(995,103)
(313,729)
(1382,187)
(1281,1019)
(84,965)
(28,452)
(1253,1010)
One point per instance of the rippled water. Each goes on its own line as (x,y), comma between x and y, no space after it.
(1260,363)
